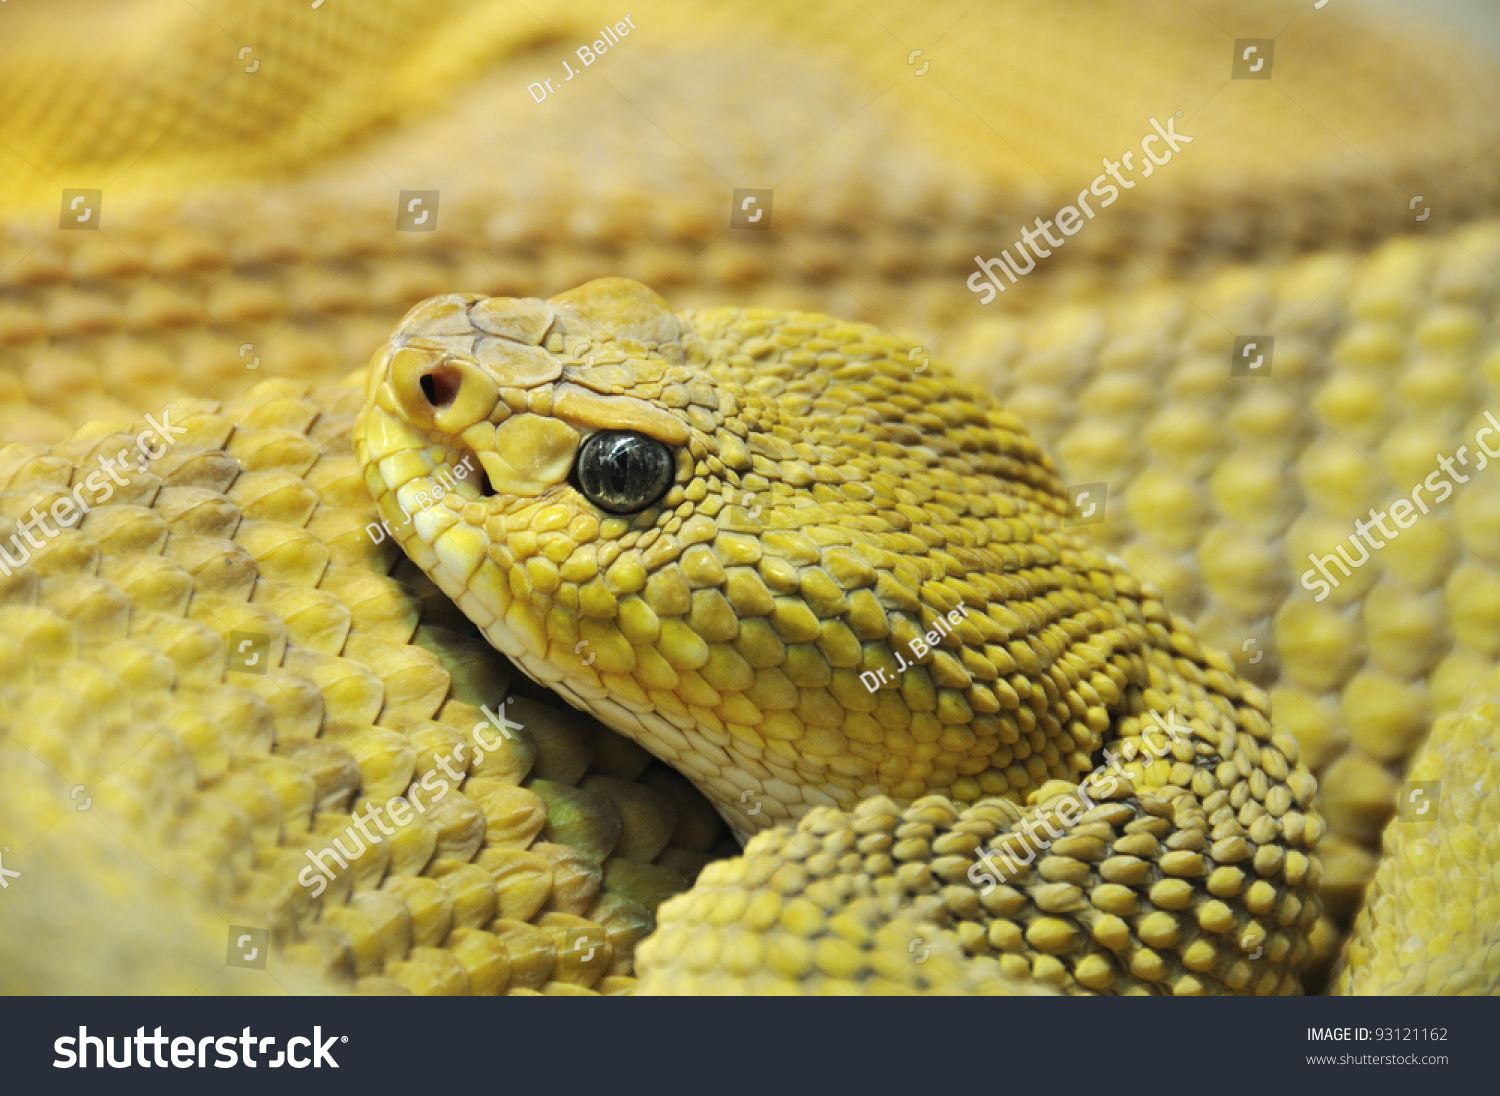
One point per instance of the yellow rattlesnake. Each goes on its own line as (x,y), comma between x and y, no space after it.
(891,505)
(246,231)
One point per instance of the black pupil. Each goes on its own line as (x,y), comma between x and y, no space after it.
(624,473)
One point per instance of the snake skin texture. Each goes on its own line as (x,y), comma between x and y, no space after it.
(1429,923)
(250,157)
(149,774)
(1220,488)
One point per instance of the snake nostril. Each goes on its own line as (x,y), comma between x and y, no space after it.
(441,386)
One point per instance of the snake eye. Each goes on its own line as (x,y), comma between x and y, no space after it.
(623,473)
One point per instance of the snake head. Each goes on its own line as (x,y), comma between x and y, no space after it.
(576,416)
(536,459)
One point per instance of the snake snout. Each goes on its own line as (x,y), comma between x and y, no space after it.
(439,391)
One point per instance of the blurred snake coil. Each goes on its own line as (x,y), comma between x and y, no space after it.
(835,488)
